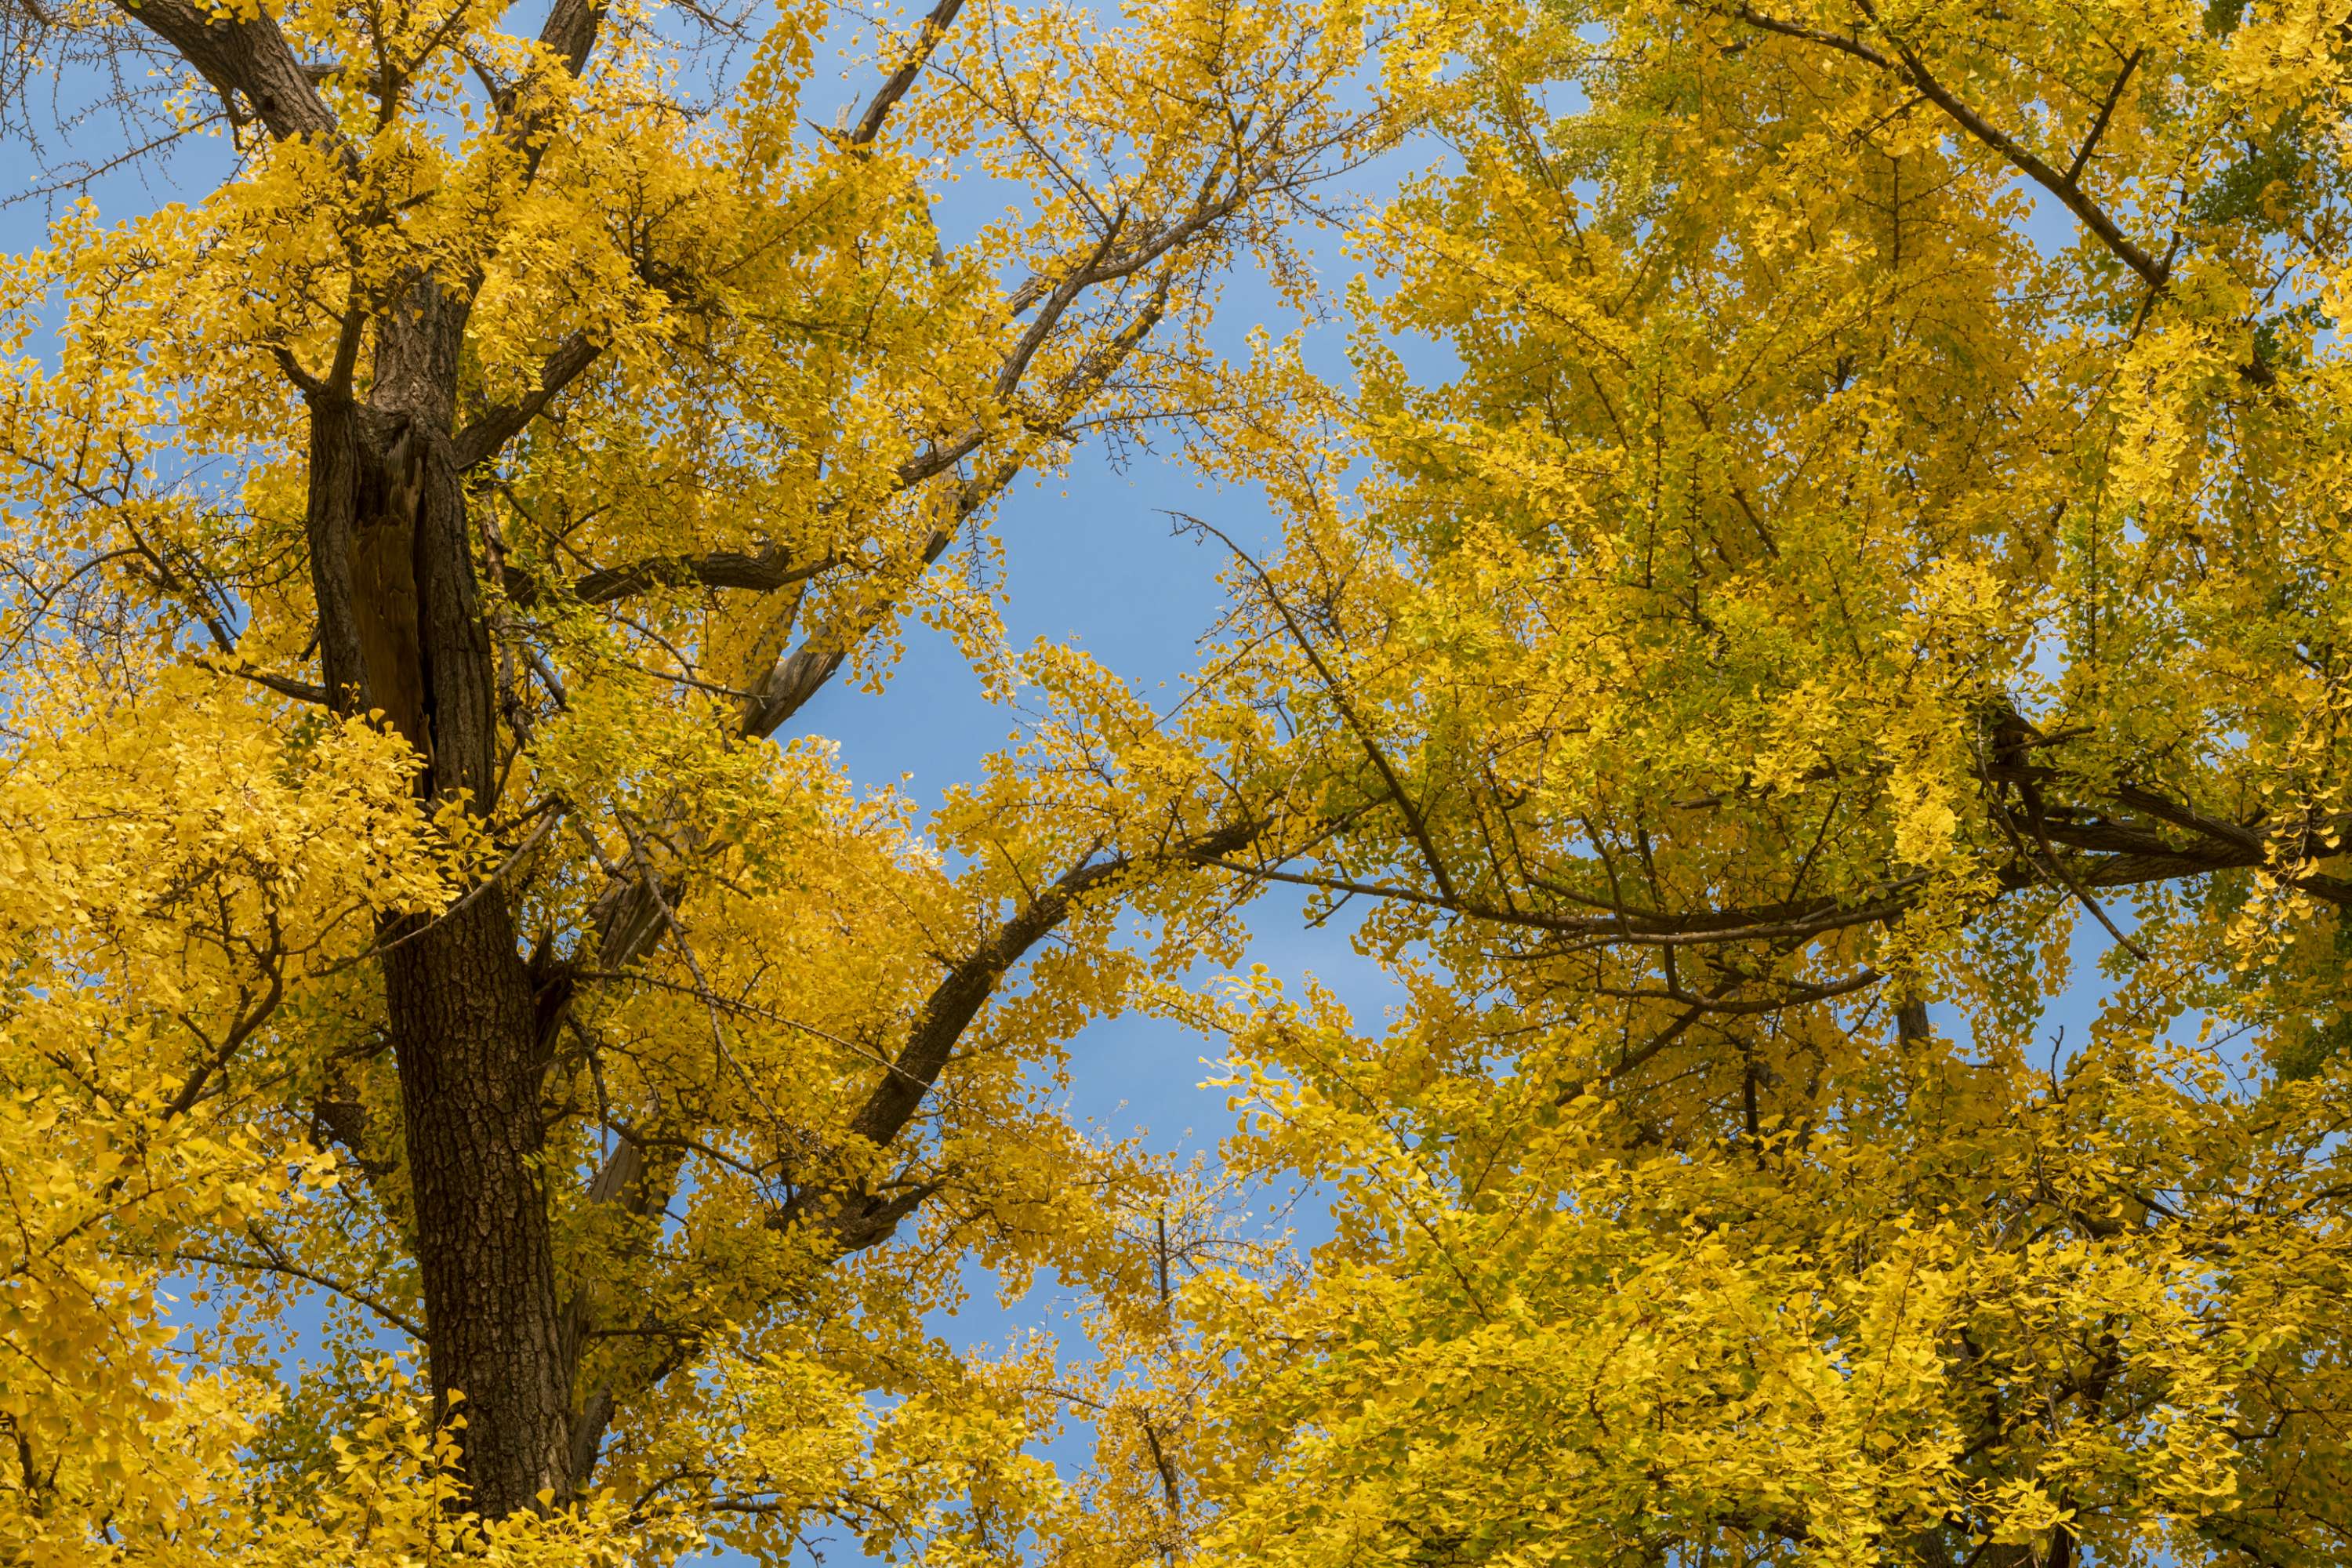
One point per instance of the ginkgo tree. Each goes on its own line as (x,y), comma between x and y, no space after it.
(1881,535)
(420,542)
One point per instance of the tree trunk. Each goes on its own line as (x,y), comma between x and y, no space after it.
(401,633)
(462,1023)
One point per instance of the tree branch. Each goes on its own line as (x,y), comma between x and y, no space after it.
(1908,66)
(886,97)
(1416,823)
(274,1261)
(760,572)
(800,673)
(859,1218)
(571,31)
(2106,109)
(284,686)
(248,57)
(482,439)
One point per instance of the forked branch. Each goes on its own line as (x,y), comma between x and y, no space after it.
(1906,64)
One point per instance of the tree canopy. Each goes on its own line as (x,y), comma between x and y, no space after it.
(1884,539)
(1866,561)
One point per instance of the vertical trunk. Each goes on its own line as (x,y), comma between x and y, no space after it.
(401,631)
(338,462)
(462,1020)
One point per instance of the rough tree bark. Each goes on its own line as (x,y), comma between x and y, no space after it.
(402,633)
